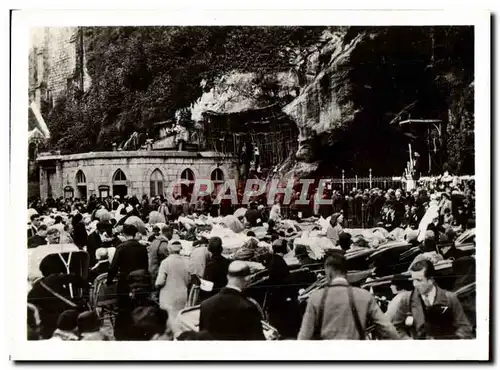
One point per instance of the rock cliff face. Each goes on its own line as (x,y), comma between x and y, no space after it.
(347,93)
(324,104)
(360,82)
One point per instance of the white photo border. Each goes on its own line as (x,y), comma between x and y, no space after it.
(21,349)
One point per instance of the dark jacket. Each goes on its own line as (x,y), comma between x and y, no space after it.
(157,252)
(252,216)
(279,274)
(98,269)
(230,316)
(80,235)
(216,272)
(94,242)
(129,256)
(414,221)
(35,241)
(49,305)
(446,320)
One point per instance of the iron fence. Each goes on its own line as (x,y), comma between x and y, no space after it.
(347,184)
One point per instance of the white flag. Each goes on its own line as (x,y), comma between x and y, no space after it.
(206,285)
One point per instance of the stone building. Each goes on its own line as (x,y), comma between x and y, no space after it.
(57,62)
(128,172)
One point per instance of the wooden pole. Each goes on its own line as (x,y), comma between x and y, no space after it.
(343,182)
(411,155)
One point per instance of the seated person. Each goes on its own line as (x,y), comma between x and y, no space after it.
(448,219)
(155,234)
(429,250)
(253,215)
(39,237)
(89,327)
(149,323)
(302,255)
(33,322)
(67,327)
(102,265)
(51,295)
(250,251)
(345,241)
(447,245)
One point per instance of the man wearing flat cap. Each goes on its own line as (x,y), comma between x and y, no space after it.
(228,315)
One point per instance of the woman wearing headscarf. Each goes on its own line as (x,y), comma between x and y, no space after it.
(232,222)
(173,280)
(335,229)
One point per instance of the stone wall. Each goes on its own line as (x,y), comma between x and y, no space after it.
(100,168)
(61,58)
(53,59)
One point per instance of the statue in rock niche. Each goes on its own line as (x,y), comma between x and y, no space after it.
(308,140)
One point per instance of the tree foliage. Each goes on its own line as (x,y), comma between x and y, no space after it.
(141,75)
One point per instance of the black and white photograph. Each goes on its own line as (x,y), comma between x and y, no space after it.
(274,183)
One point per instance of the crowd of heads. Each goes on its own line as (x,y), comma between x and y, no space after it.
(56,219)
(72,324)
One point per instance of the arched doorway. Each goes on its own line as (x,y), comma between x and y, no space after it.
(217,178)
(187,190)
(81,185)
(156,183)
(119,183)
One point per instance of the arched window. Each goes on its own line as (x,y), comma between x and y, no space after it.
(156,183)
(217,175)
(120,183)
(187,174)
(119,176)
(81,185)
(80,178)
(187,190)
(217,178)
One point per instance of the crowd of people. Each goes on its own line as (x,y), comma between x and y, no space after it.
(138,244)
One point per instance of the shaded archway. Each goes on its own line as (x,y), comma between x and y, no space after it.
(187,190)
(81,185)
(156,182)
(217,177)
(120,183)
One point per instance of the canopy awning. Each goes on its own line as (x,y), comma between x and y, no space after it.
(36,120)
(35,134)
